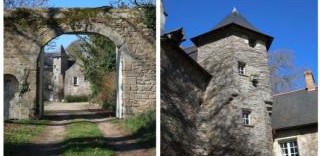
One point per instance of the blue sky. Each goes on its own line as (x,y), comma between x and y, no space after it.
(292,23)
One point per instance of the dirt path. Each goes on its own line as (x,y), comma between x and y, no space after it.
(121,142)
(51,141)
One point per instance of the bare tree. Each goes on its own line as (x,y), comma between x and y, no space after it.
(132,3)
(25,3)
(284,74)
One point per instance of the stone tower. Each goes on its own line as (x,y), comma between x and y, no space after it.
(234,117)
(60,65)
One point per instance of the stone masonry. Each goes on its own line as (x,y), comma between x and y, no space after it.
(306,138)
(80,89)
(26,31)
(183,83)
(216,125)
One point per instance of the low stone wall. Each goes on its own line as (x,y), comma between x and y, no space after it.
(183,83)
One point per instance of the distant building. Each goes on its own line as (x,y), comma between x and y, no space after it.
(294,121)
(63,77)
(75,82)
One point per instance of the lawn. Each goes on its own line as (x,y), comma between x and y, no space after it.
(19,133)
(83,139)
(142,126)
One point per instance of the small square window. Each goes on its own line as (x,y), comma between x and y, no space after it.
(289,148)
(252,42)
(241,68)
(75,81)
(246,117)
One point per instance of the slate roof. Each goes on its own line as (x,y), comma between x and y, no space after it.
(61,52)
(190,49)
(235,18)
(294,109)
(48,61)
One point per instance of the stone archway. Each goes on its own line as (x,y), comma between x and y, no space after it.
(11,86)
(28,30)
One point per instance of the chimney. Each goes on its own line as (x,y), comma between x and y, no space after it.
(309,80)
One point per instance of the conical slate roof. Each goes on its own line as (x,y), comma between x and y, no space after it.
(61,53)
(235,18)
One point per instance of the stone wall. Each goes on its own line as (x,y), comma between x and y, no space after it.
(306,137)
(228,94)
(183,83)
(11,95)
(83,87)
(201,116)
(47,84)
(26,31)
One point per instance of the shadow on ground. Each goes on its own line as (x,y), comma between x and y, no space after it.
(82,143)
(56,118)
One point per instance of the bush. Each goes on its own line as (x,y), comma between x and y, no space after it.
(76,98)
(143,125)
(107,93)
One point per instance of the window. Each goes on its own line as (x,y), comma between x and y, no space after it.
(241,68)
(246,117)
(289,148)
(75,81)
(269,107)
(252,42)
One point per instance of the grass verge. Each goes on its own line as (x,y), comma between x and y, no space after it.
(84,138)
(143,126)
(19,133)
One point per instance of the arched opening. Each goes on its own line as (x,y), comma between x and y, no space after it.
(11,86)
(82,67)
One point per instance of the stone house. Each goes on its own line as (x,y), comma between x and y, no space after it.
(226,108)
(67,79)
(75,82)
(294,121)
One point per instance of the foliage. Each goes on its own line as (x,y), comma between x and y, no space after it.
(150,17)
(97,58)
(25,3)
(284,74)
(20,132)
(143,125)
(76,98)
(108,91)
(84,138)
(148,7)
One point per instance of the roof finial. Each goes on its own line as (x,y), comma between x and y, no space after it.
(234,10)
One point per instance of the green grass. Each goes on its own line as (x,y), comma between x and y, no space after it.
(142,125)
(84,138)
(18,133)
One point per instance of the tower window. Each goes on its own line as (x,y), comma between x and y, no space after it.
(289,148)
(269,107)
(241,68)
(75,81)
(246,117)
(252,42)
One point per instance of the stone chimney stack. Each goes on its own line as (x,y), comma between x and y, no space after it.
(309,80)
